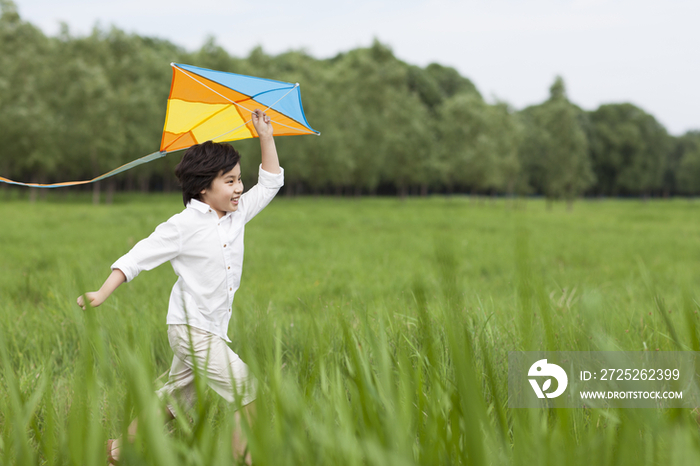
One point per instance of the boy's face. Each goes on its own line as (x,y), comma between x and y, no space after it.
(224,192)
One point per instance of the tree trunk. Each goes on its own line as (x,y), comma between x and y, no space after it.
(96,172)
(167,174)
(111,187)
(96,192)
(403,192)
(34,192)
(424,189)
(129,183)
(167,181)
(143,184)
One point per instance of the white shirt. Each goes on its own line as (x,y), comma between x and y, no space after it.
(206,253)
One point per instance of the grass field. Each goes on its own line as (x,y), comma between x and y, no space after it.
(379,330)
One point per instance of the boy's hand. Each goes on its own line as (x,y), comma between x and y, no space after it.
(94,297)
(262,123)
(269,161)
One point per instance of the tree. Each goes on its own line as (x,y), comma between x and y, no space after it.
(373,116)
(555,149)
(27,122)
(688,146)
(629,150)
(478,144)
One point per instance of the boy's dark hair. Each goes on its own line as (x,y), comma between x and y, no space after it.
(201,164)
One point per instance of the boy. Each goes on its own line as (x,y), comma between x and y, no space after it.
(204,244)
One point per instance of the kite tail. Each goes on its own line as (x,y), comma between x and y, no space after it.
(123,168)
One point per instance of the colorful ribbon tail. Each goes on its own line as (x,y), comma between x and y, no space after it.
(123,168)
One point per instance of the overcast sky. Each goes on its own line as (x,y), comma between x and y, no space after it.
(640,51)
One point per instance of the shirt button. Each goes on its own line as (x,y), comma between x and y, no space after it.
(224,245)
(209,210)
(230,289)
(228,268)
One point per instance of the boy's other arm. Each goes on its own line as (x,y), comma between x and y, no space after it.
(161,246)
(96,298)
(270,161)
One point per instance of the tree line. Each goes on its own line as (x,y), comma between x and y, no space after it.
(73,107)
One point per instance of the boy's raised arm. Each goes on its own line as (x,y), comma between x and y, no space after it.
(270,161)
(96,298)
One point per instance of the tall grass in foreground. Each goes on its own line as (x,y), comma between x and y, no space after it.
(419,378)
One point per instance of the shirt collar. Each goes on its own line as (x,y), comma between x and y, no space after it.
(203,207)
(199,205)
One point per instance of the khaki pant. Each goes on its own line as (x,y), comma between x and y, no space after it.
(225,372)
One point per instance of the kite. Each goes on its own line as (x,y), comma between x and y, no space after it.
(208,105)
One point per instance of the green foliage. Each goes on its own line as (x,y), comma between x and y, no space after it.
(478,144)
(629,149)
(555,149)
(26,119)
(688,149)
(379,331)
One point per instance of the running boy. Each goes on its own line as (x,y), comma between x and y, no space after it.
(204,244)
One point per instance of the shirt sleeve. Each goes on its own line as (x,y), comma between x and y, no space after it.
(161,246)
(262,193)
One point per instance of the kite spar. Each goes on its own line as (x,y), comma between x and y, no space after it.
(208,105)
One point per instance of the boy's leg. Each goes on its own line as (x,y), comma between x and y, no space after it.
(179,385)
(226,374)
(115,445)
(239,442)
